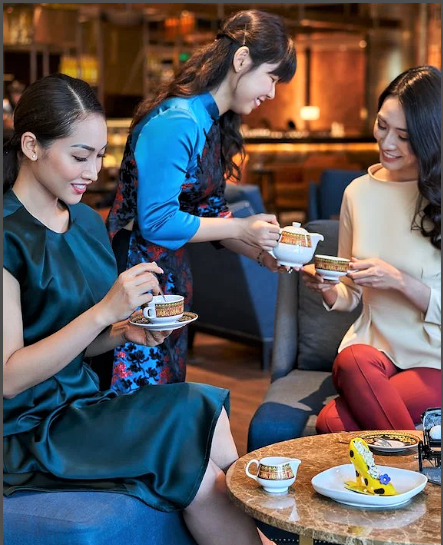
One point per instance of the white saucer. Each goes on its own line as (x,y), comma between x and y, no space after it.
(186,319)
(331,483)
(330,275)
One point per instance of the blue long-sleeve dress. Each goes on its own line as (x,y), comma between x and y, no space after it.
(171,175)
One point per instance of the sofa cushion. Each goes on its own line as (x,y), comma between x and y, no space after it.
(319,331)
(273,423)
(245,192)
(332,185)
(241,209)
(303,390)
(88,518)
(289,404)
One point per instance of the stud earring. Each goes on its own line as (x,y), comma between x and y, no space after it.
(34,157)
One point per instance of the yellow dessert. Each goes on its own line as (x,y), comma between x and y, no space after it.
(369,479)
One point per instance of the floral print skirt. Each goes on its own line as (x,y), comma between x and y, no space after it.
(136,365)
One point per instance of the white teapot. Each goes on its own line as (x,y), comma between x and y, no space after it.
(296,246)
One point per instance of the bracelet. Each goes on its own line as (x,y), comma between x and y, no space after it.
(259,260)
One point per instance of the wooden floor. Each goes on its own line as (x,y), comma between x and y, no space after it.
(233,366)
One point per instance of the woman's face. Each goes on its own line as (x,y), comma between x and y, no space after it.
(253,88)
(71,164)
(392,137)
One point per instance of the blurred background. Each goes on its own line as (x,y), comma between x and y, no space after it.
(347,53)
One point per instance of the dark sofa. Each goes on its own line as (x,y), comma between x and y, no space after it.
(306,340)
(234,297)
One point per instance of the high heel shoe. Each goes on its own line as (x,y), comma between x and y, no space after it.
(369,479)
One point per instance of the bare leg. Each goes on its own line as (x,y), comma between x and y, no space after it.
(223,449)
(213,519)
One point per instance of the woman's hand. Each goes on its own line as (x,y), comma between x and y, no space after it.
(269,261)
(261,230)
(375,273)
(141,335)
(132,289)
(315,282)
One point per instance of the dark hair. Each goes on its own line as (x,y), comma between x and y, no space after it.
(268,41)
(419,92)
(48,108)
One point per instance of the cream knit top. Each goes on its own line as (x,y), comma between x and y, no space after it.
(375,221)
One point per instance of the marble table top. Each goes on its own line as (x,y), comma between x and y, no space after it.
(307,513)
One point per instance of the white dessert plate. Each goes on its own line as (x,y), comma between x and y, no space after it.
(330,275)
(186,319)
(390,442)
(331,483)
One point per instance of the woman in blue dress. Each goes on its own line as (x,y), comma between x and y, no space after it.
(166,445)
(178,154)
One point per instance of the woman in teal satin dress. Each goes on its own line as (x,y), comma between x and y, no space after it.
(166,445)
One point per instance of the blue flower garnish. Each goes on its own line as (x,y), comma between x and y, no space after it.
(384,479)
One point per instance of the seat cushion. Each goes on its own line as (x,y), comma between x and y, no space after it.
(88,518)
(290,403)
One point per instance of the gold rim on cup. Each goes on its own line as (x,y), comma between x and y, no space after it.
(330,264)
(163,310)
(273,473)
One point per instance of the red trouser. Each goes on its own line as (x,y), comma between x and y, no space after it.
(377,395)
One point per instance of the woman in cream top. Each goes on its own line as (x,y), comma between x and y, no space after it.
(390,321)
(387,371)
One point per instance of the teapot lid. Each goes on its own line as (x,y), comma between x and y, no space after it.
(295,228)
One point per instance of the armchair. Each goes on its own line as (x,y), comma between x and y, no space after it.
(306,340)
(234,297)
(324,198)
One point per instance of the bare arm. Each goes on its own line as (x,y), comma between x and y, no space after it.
(240,247)
(261,230)
(259,255)
(121,333)
(26,366)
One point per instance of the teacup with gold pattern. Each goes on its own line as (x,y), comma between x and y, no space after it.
(167,308)
(330,267)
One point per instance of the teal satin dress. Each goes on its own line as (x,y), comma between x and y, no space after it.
(66,434)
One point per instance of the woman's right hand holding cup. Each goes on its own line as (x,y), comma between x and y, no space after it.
(261,230)
(133,288)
